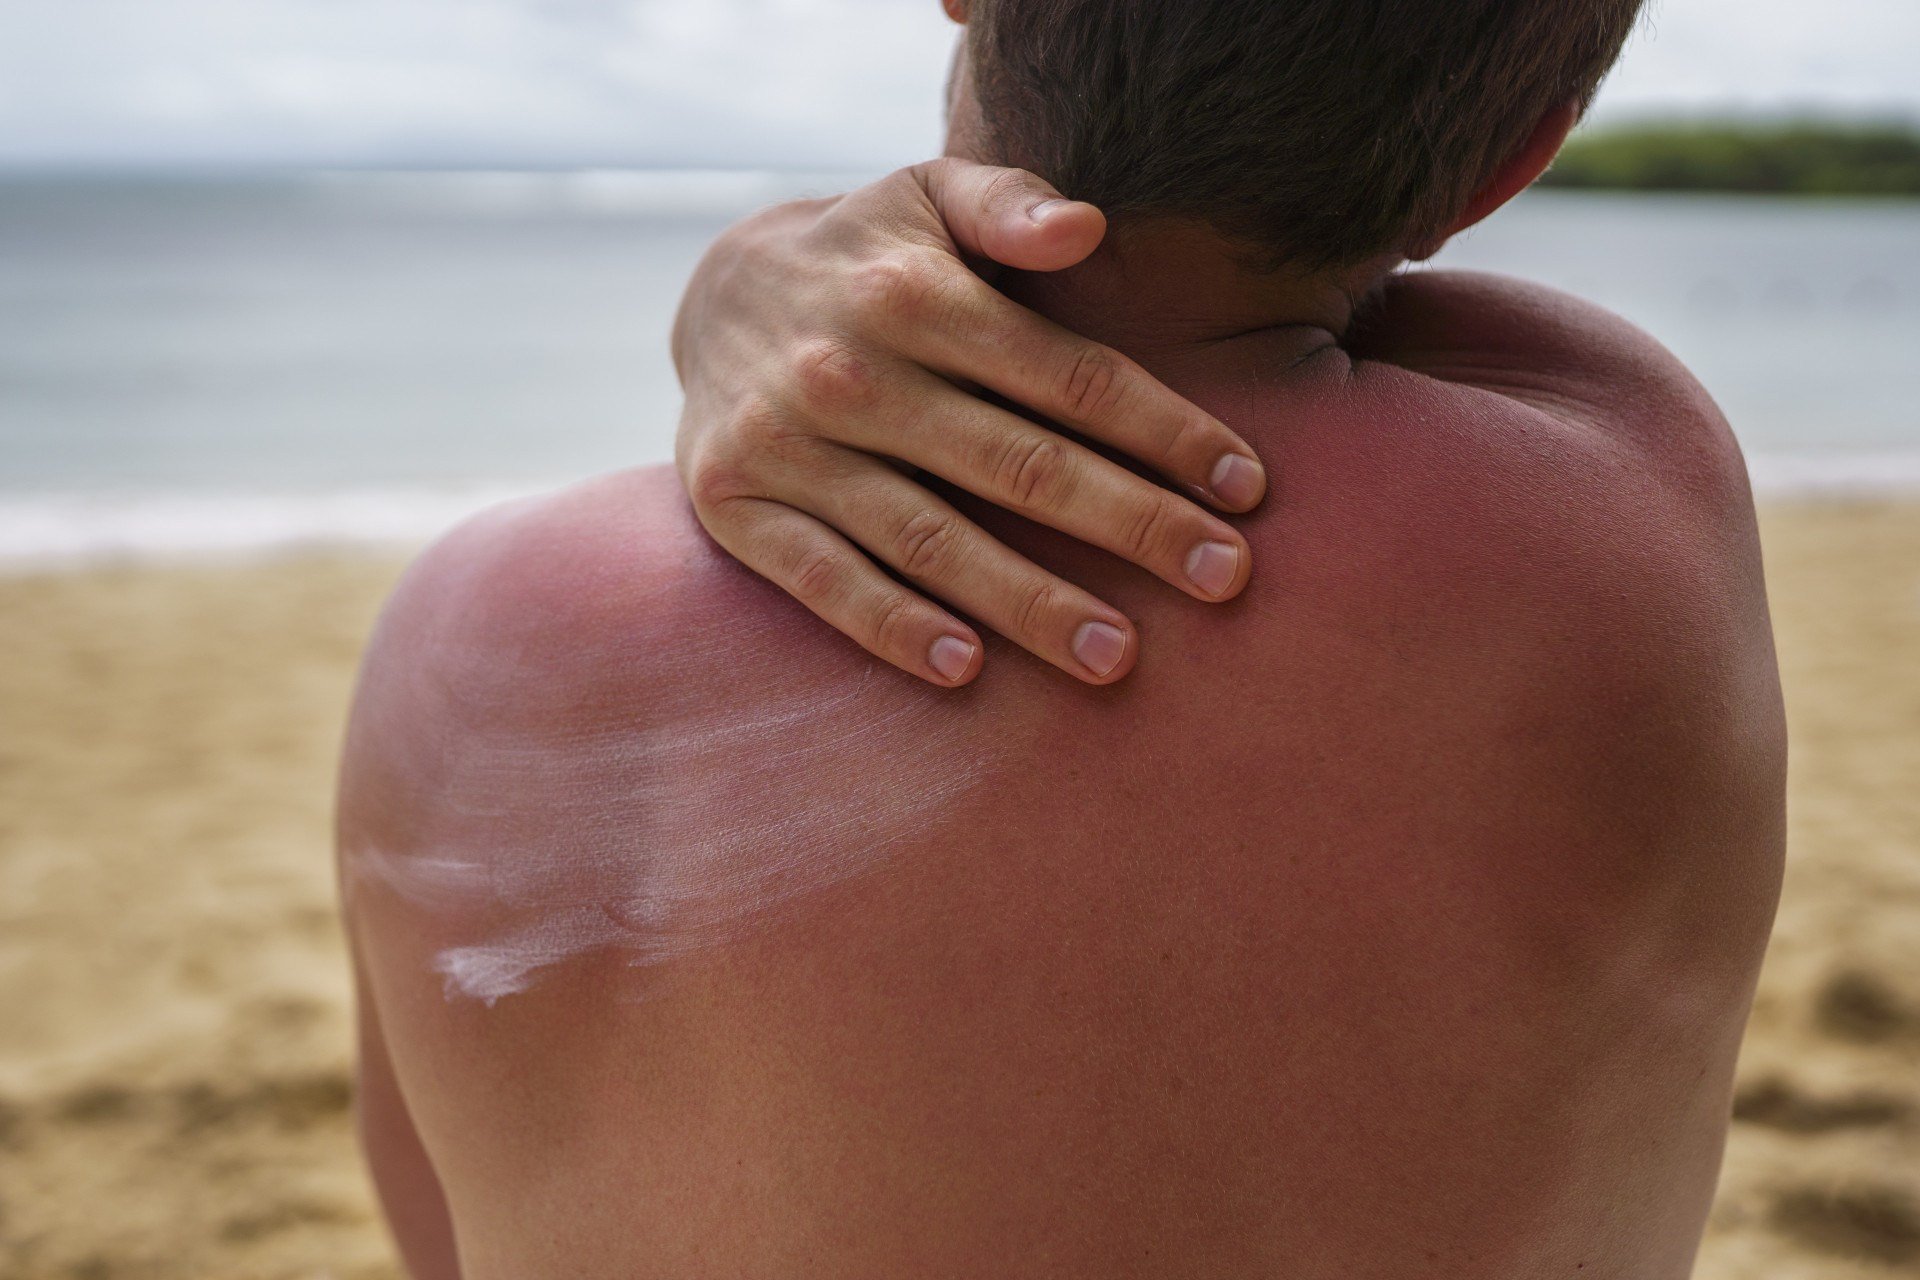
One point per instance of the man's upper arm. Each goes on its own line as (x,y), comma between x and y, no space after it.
(395,769)
(504,671)
(503,719)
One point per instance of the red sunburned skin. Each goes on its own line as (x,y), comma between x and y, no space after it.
(682,829)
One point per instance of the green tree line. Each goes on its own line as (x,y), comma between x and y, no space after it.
(1788,159)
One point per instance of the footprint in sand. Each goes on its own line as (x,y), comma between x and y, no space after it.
(1872,1223)
(285,1216)
(1778,1104)
(97,1104)
(1854,1005)
(290,1103)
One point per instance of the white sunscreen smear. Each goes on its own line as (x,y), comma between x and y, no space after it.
(659,839)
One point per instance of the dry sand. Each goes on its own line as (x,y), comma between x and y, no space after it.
(173,1018)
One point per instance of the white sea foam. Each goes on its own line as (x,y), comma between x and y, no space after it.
(1835,475)
(50,531)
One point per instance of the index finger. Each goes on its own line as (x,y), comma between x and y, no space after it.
(1105,396)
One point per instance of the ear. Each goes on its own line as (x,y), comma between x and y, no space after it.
(1513,176)
(956,9)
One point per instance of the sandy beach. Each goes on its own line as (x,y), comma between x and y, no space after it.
(174,1072)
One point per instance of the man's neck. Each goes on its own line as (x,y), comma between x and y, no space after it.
(1165,287)
(1159,288)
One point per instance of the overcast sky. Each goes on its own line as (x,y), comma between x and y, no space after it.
(723,83)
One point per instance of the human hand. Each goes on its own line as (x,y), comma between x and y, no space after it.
(818,340)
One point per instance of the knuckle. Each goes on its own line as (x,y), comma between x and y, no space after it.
(817,576)
(1007,189)
(900,287)
(1035,605)
(925,173)
(1095,383)
(758,423)
(1031,470)
(891,626)
(729,464)
(1190,439)
(714,479)
(1148,525)
(830,376)
(926,544)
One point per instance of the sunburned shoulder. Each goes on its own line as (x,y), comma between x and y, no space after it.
(1557,360)
(572,563)
(1535,507)
(1546,499)
(1504,425)
(572,609)
(566,550)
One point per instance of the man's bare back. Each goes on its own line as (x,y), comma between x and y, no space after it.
(1398,919)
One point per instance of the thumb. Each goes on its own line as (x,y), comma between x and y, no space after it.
(1009,215)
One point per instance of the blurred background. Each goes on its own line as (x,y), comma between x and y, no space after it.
(315,277)
(362,257)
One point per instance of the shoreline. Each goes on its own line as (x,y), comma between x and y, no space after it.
(58,531)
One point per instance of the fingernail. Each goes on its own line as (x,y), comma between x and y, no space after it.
(950,656)
(1046,209)
(1236,480)
(1099,646)
(1211,566)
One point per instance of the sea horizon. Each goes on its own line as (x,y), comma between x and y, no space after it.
(229,361)
(41,532)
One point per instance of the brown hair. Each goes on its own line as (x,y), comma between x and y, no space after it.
(1321,132)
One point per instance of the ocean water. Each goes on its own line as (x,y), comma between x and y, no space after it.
(206,364)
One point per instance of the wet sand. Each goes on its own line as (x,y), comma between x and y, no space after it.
(174,1081)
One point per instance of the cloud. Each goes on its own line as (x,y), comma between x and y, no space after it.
(792,83)
(753,82)
(1770,55)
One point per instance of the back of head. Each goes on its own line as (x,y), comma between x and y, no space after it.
(1320,132)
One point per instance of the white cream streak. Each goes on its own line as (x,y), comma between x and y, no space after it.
(661,840)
